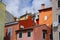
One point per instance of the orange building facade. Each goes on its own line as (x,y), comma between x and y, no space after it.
(11,27)
(38,32)
(45,15)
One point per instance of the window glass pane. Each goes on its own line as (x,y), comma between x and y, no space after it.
(43,35)
(59,18)
(9,33)
(58,3)
(20,35)
(45,17)
(29,34)
(50,36)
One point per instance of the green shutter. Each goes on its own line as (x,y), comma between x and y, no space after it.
(20,35)
(29,34)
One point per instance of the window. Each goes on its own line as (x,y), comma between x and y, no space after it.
(59,18)
(9,33)
(59,35)
(20,35)
(51,36)
(44,33)
(58,3)
(29,34)
(45,17)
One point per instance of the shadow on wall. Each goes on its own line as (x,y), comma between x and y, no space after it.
(7,37)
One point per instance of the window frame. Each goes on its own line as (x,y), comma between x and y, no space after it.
(58,18)
(20,34)
(44,33)
(29,34)
(9,32)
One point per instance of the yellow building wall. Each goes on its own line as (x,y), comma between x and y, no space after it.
(24,18)
(2,20)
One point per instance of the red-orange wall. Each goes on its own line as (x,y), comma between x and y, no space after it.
(38,32)
(26,23)
(47,12)
(14,28)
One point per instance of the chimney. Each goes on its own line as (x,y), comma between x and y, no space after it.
(15,18)
(42,6)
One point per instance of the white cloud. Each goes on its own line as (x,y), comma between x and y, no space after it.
(37,3)
(19,7)
(12,7)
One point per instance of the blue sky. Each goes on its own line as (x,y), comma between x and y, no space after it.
(19,7)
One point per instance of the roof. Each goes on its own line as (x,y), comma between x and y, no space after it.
(9,17)
(25,15)
(32,27)
(45,9)
(9,13)
(25,29)
(10,23)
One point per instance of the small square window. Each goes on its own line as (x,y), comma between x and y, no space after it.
(20,35)
(29,34)
(45,17)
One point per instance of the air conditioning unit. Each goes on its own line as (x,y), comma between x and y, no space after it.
(55,24)
(21,27)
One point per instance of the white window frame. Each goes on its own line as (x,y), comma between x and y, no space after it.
(45,17)
(9,31)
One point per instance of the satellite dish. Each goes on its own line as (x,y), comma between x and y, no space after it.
(55,24)
(21,26)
